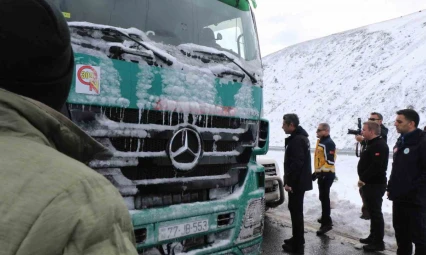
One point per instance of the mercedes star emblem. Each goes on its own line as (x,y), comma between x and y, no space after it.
(185,148)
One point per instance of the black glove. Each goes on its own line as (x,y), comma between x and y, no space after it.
(314,177)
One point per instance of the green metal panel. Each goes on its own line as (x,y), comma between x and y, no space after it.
(152,219)
(243,5)
(131,85)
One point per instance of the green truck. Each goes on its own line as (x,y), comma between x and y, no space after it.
(174,89)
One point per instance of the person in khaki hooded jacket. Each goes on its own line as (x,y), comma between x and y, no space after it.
(50,201)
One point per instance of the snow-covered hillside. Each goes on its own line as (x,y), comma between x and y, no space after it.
(338,78)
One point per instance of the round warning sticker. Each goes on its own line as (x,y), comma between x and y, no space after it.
(88,80)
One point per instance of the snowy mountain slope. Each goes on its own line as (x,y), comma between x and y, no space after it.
(338,78)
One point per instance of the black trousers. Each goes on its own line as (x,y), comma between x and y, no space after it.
(295,206)
(364,210)
(409,222)
(373,196)
(325,180)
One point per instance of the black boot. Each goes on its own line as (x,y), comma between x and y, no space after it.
(367,240)
(374,247)
(365,217)
(291,247)
(324,229)
(320,221)
(291,240)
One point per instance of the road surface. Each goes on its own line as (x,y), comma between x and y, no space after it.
(277,228)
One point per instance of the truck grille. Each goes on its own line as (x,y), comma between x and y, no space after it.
(272,189)
(155,145)
(156,172)
(140,235)
(139,140)
(134,116)
(225,219)
(270,169)
(138,144)
(146,201)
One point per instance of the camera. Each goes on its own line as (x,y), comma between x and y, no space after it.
(355,131)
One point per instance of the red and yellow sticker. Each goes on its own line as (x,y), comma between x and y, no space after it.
(88,80)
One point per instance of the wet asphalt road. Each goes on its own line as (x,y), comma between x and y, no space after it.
(330,244)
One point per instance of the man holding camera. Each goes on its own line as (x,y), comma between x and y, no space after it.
(378,118)
(325,156)
(372,168)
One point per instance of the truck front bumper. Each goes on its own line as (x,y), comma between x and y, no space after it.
(277,197)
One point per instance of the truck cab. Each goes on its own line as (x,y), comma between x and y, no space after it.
(174,89)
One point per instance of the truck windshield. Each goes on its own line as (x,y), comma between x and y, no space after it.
(211,23)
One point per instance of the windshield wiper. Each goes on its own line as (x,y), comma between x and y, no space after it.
(252,78)
(114,32)
(237,74)
(117,51)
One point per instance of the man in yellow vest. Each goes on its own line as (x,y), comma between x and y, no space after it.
(325,156)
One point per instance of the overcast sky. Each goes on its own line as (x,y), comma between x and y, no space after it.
(282,23)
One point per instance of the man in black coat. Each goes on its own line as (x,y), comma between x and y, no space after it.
(378,118)
(407,184)
(297,178)
(372,167)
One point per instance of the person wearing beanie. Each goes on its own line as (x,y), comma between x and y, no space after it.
(50,201)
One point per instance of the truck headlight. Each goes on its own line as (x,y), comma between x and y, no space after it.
(253,220)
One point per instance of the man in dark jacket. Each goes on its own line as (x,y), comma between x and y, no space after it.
(378,118)
(372,168)
(297,178)
(407,184)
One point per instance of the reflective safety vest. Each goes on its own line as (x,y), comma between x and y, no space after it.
(325,155)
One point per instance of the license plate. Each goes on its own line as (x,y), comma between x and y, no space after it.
(184,229)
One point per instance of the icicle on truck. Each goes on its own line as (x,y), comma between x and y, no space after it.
(174,89)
